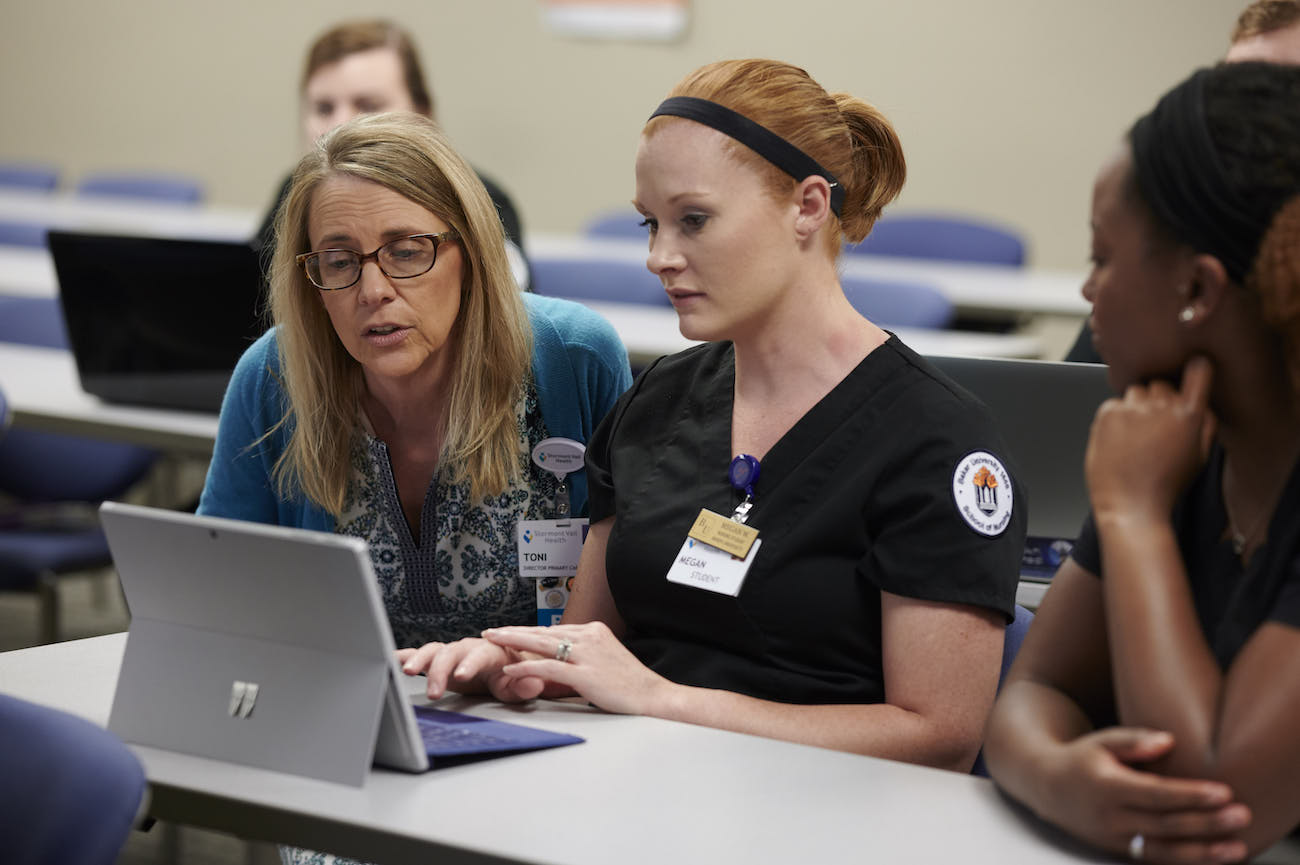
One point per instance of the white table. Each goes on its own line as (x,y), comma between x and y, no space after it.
(42,389)
(128,216)
(652,331)
(638,791)
(979,290)
(647,331)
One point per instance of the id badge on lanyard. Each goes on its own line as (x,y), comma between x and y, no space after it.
(718,551)
(549,549)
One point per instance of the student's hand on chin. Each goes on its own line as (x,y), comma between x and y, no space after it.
(1145,447)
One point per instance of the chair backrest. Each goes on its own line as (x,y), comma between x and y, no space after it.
(623,224)
(943,237)
(891,303)
(598,279)
(1013,638)
(38,466)
(155,187)
(28,175)
(14,233)
(69,791)
(32,321)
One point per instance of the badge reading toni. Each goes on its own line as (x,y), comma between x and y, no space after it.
(981,489)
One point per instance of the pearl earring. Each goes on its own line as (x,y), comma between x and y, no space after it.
(1187,314)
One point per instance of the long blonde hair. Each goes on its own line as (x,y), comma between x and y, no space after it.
(492,340)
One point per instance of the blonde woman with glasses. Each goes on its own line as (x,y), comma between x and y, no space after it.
(406,382)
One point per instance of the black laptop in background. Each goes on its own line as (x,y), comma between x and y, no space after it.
(158,322)
(1044,410)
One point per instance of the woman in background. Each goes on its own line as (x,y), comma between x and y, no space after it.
(868,614)
(1152,707)
(371,66)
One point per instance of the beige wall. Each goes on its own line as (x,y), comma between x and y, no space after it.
(1005,107)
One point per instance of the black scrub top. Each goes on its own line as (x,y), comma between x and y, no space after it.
(1232,600)
(856,498)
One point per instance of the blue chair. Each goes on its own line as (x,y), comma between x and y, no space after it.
(154,187)
(28,175)
(617,224)
(32,321)
(898,304)
(943,237)
(50,483)
(69,791)
(598,279)
(30,234)
(1015,637)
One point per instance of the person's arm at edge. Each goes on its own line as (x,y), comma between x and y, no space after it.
(1235,726)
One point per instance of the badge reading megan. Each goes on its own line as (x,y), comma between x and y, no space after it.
(981,489)
(706,567)
(723,533)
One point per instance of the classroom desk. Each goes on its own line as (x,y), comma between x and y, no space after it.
(977,290)
(128,215)
(41,387)
(647,331)
(651,331)
(639,790)
(43,392)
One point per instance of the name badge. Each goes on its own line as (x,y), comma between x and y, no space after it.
(724,533)
(706,567)
(550,548)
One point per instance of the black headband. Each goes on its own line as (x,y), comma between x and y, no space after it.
(759,139)
(1182,180)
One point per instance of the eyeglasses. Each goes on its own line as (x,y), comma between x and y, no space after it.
(406,257)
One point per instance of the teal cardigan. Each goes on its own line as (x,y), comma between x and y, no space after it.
(579,365)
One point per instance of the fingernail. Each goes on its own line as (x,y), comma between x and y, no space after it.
(460,672)
(1218,795)
(1230,851)
(1236,816)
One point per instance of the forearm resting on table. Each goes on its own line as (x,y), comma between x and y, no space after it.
(1029,721)
(877,730)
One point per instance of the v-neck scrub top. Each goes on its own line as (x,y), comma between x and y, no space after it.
(856,498)
(1232,600)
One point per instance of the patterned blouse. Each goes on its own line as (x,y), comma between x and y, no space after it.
(461,574)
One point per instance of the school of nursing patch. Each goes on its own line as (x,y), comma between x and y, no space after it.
(981,489)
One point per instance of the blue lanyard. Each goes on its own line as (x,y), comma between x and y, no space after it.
(743,474)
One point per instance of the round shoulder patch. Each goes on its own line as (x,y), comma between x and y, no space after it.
(981,489)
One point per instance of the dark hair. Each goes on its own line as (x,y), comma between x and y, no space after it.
(1265,16)
(1217,163)
(353,37)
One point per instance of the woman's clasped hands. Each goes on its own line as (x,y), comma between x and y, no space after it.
(1098,791)
(514,664)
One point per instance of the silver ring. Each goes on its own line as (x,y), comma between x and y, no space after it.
(1137,845)
(565,646)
